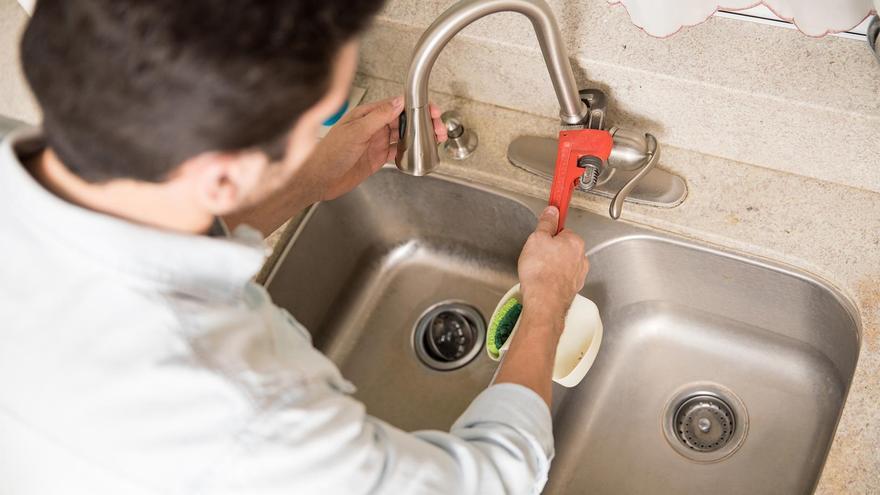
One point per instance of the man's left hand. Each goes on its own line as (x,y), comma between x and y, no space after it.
(361,143)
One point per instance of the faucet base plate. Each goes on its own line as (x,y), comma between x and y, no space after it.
(537,155)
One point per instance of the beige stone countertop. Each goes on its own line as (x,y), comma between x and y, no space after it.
(829,230)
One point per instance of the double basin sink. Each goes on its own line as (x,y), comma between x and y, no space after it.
(718,373)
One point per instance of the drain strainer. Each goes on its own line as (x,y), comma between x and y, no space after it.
(705,422)
(449,335)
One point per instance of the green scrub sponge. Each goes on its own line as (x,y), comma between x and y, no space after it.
(502,325)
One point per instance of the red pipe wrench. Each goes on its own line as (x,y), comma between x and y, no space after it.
(575,145)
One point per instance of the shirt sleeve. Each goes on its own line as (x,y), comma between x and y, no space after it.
(321,441)
(507,433)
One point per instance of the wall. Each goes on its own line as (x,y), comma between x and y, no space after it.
(15,97)
(749,92)
(752,93)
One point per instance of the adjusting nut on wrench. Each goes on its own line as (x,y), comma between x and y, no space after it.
(592,166)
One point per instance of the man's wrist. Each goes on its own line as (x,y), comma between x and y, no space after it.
(542,318)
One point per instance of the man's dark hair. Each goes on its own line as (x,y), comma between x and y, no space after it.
(133,88)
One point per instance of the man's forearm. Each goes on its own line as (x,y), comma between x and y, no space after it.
(271,213)
(529,360)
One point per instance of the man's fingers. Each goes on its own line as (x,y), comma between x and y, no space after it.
(440,131)
(358,112)
(548,221)
(439,127)
(377,113)
(392,153)
(365,108)
(379,116)
(380,149)
(576,241)
(585,269)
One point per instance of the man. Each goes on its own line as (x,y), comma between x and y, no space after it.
(137,356)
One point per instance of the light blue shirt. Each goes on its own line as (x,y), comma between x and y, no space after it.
(135,360)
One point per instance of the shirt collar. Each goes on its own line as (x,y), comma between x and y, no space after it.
(202,266)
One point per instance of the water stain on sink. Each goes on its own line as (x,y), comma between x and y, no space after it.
(733,219)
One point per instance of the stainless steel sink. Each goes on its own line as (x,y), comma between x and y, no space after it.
(717,373)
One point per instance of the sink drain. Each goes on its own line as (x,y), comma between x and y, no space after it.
(449,335)
(705,422)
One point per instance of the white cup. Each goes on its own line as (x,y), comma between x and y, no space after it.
(578,344)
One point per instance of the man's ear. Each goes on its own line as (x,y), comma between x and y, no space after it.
(222,182)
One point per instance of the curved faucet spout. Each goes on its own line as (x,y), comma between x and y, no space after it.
(416,149)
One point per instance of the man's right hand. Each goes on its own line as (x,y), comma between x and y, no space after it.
(552,269)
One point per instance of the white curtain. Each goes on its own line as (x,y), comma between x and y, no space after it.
(814,17)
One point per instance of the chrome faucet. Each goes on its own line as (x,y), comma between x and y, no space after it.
(416,147)
(633,155)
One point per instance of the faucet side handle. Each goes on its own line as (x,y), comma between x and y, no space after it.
(623,152)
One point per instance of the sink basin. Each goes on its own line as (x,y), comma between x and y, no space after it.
(363,269)
(717,373)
